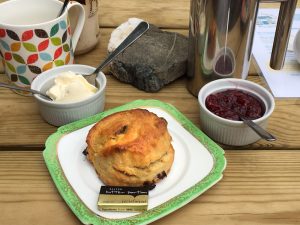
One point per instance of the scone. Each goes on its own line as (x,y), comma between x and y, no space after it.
(130,148)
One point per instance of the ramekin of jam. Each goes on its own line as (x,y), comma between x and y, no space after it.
(222,103)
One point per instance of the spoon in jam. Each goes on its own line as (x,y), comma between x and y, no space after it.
(26,89)
(233,104)
(257,129)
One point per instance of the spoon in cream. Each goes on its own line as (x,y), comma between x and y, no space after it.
(132,37)
(26,89)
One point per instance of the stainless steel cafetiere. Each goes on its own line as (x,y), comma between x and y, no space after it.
(221,35)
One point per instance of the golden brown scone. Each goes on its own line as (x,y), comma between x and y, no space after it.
(130,148)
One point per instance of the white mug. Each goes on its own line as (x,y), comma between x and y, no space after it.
(33,39)
(90,34)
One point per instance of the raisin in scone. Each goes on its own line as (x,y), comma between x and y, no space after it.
(130,148)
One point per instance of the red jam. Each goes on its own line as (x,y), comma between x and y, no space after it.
(231,104)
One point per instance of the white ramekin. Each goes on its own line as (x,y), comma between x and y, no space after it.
(227,131)
(59,114)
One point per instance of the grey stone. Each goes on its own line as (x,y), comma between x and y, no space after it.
(154,60)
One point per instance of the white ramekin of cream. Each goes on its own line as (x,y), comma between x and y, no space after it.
(73,97)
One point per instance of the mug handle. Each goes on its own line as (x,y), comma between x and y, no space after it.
(80,22)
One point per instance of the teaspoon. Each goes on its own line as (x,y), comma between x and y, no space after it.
(25,89)
(132,37)
(258,129)
(63,8)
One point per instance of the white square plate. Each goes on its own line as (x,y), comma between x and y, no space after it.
(198,164)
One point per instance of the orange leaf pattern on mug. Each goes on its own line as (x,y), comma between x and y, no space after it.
(47,66)
(15,46)
(27,35)
(67,59)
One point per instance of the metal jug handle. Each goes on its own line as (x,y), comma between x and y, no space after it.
(283,28)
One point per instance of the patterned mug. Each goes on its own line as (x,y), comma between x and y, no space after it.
(33,39)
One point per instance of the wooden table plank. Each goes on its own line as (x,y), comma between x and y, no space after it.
(259,187)
(166,13)
(20,120)
(27,194)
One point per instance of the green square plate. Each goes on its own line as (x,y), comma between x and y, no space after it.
(198,165)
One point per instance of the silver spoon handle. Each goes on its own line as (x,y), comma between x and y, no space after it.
(66,2)
(259,130)
(23,89)
(18,88)
(135,34)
